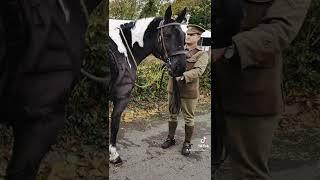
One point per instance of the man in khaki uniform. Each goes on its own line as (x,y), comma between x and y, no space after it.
(249,81)
(188,84)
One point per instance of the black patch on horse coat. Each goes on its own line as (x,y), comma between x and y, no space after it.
(124,77)
(123,80)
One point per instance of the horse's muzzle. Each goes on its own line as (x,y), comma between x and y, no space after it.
(176,66)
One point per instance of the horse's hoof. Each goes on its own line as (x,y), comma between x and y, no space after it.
(117,161)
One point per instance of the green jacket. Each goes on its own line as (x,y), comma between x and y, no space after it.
(254,86)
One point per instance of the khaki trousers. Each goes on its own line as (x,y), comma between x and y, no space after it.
(188,107)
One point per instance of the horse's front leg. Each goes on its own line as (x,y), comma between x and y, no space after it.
(119,106)
(32,140)
(37,122)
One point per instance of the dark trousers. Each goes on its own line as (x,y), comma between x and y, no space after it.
(39,116)
(248,140)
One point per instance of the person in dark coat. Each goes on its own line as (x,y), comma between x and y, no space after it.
(249,78)
(40,75)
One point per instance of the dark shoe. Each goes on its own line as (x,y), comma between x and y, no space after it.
(168,143)
(186,149)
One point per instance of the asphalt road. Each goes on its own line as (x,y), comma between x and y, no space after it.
(290,170)
(144,159)
(295,154)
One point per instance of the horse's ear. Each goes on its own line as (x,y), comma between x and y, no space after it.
(168,14)
(181,15)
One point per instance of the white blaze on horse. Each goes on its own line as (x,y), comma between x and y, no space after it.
(129,44)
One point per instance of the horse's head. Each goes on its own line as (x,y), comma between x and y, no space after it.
(170,43)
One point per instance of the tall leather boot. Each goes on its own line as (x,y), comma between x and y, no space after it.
(187,145)
(170,141)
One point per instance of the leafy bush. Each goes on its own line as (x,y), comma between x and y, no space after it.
(88,105)
(205,80)
(302,59)
(149,74)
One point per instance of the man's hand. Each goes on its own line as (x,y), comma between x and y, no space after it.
(180,78)
(217,54)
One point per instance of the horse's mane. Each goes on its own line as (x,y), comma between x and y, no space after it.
(154,23)
(128,25)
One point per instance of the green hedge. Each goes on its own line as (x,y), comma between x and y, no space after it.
(302,59)
(87,109)
(149,73)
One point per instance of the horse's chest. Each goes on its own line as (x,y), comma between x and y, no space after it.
(122,76)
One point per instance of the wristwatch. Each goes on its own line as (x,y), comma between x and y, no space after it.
(230,51)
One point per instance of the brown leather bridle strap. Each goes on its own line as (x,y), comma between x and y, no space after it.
(161,38)
(178,53)
(169,24)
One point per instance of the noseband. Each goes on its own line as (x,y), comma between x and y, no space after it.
(167,57)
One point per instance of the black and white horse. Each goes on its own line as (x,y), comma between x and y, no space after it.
(129,44)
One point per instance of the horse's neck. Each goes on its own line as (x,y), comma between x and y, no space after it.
(140,53)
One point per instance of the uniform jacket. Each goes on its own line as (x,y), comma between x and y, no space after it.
(253,86)
(196,65)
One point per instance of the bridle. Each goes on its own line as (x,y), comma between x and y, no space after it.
(167,57)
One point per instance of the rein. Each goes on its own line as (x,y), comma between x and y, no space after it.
(82,70)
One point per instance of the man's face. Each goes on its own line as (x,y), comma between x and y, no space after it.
(192,38)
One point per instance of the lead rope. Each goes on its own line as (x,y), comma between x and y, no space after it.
(126,42)
(163,66)
(84,72)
